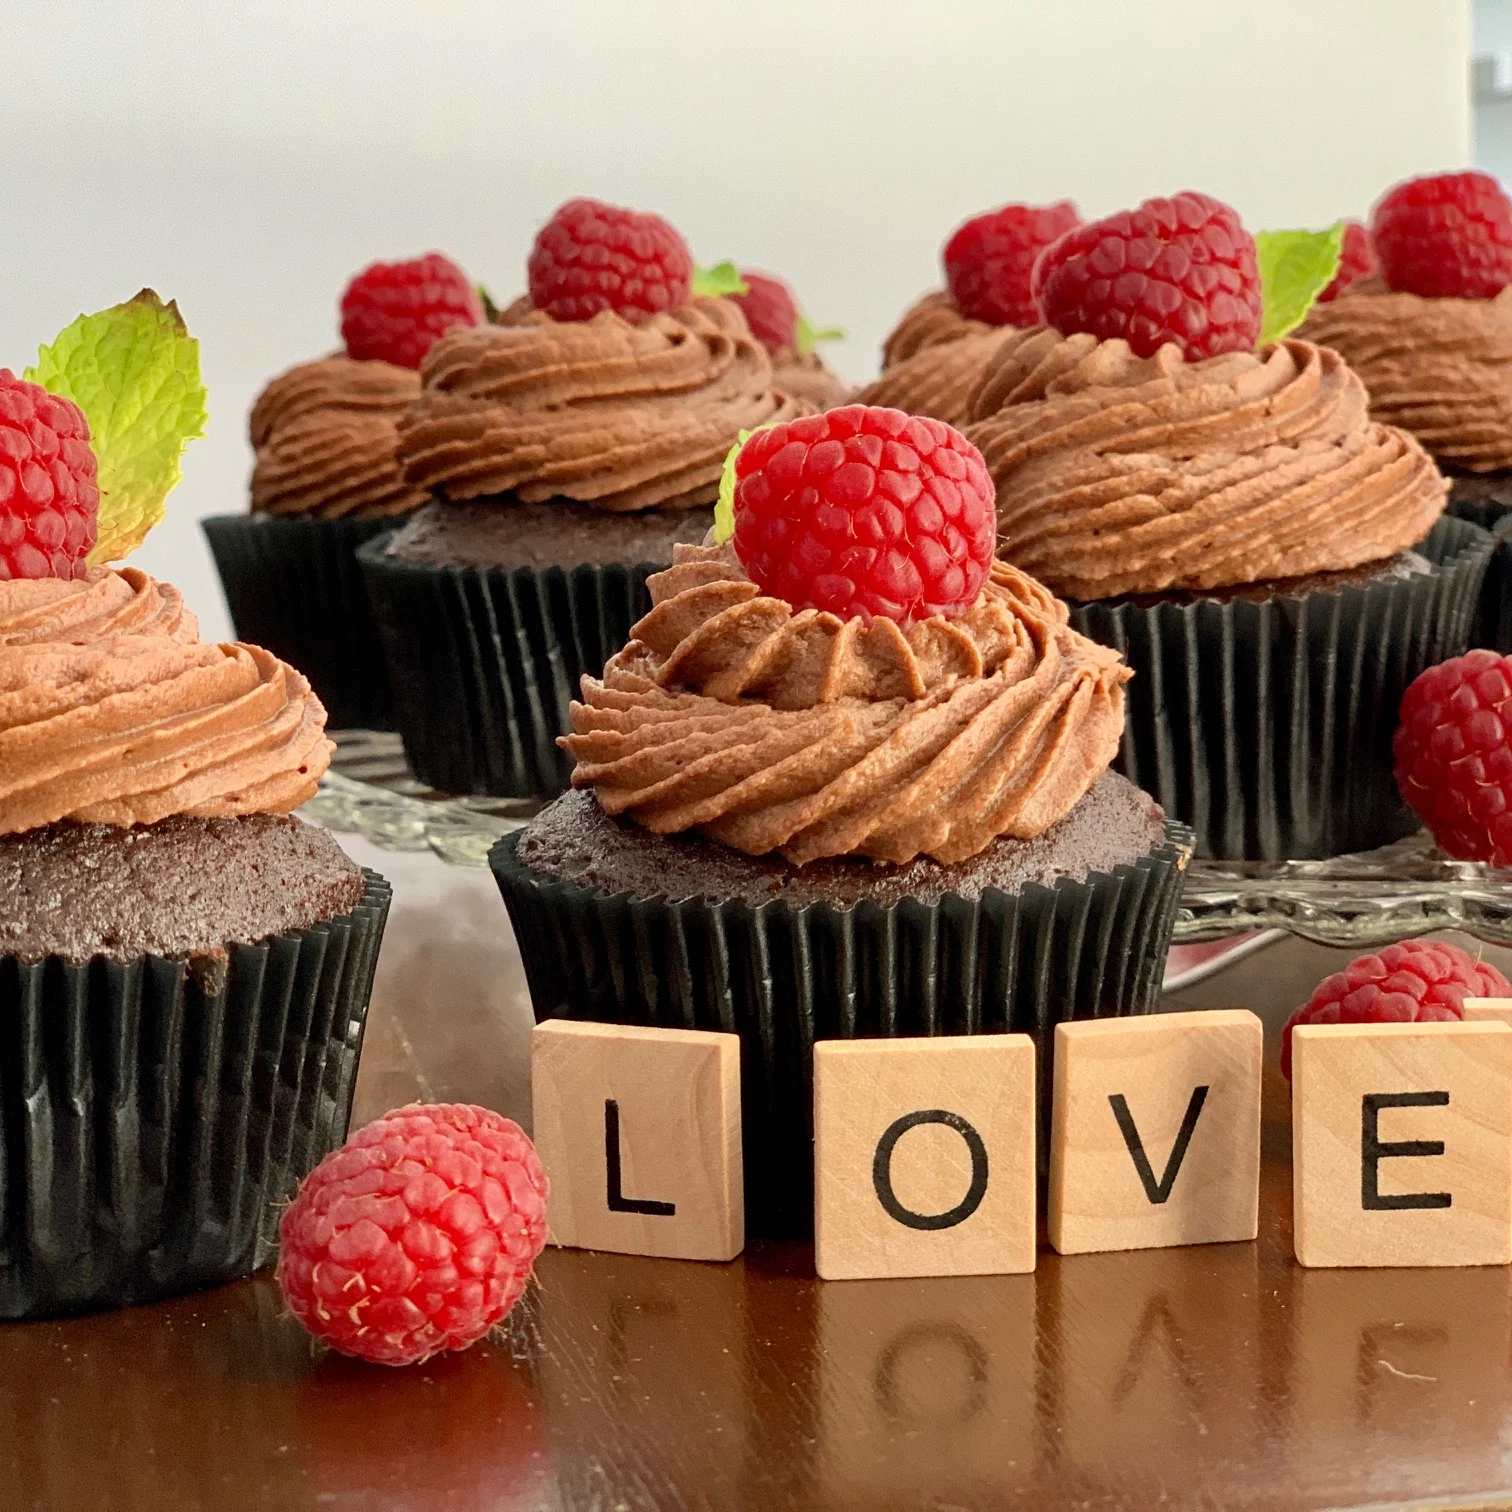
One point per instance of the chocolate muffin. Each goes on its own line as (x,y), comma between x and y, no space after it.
(325,481)
(184,968)
(595,446)
(1199,515)
(799,827)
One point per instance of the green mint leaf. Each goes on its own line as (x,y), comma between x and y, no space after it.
(490,309)
(809,336)
(724,508)
(134,371)
(1295,267)
(723,278)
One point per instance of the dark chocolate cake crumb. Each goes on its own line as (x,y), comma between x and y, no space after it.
(573,840)
(183,887)
(502,532)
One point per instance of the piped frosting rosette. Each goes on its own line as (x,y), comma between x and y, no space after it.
(1117,474)
(769,730)
(1440,368)
(113,711)
(620,416)
(324,434)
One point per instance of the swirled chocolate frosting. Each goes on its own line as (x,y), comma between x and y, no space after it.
(930,321)
(1440,368)
(113,711)
(1117,474)
(939,379)
(773,730)
(325,440)
(616,415)
(803,375)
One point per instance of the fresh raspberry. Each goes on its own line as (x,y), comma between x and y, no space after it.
(418,1235)
(590,257)
(864,511)
(1453,751)
(1357,260)
(770,311)
(395,312)
(49,496)
(1446,236)
(1417,981)
(1181,269)
(989,260)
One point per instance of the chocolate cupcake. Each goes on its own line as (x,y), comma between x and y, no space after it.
(797,825)
(1268,558)
(325,481)
(565,459)
(184,968)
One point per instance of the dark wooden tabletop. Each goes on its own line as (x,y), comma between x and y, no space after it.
(1206,1377)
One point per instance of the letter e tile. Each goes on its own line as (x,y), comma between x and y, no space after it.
(924,1156)
(1402,1143)
(639,1131)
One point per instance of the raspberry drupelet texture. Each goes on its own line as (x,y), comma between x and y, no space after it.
(989,261)
(865,511)
(418,1235)
(1453,749)
(1181,270)
(770,311)
(590,257)
(49,493)
(1357,260)
(1412,982)
(1445,236)
(395,312)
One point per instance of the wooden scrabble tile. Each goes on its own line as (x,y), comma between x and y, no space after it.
(1155,1131)
(1488,1010)
(1402,1144)
(639,1131)
(924,1156)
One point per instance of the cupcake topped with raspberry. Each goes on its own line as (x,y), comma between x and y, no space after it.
(848,678)
(791,341)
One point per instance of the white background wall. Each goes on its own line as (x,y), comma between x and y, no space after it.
(246,156)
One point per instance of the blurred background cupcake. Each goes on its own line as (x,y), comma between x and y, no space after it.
(567,448)
(184,968)
(832,793)
(326,480)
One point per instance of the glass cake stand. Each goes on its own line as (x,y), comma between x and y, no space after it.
(1371,898)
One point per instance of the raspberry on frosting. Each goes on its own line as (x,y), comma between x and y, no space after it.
(865,511)
(591,256)
(49,493)
(395,312)
(989,260)
(1357,260)
(1446,235)
(1180,270)
(770,311)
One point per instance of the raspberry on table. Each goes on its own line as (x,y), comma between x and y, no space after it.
(1415,981)
(1357,260)
(1453,749)
(395,312)
(865,511)
(49,488)
(770,311)
(418,1235)
(989,261)
(591,256)
(1179,270)
(1445,236)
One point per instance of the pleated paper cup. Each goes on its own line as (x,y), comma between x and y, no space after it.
(484,661)
(783,977)
(293,585)
(1267,726)
(154,1118)
(1487,502)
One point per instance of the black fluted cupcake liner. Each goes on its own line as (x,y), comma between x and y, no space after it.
(155,1117)
(1487,502)
(485,660)
(1267,726)
(293,585)
(783,977)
